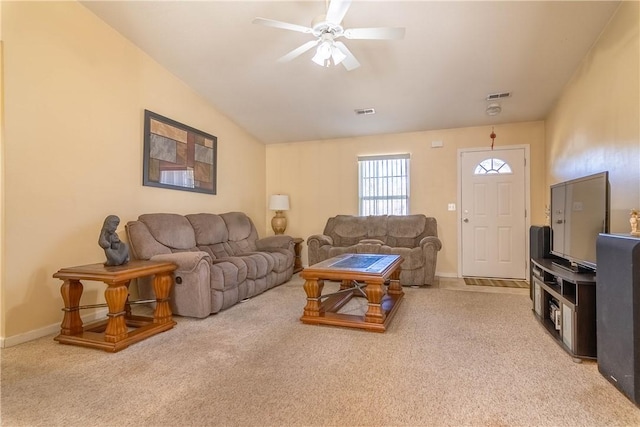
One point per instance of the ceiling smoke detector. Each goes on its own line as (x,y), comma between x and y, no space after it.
(493,109)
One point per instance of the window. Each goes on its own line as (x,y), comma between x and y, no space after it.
(384,184)
(492,166)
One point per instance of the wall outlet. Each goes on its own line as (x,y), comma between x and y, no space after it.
(451,207)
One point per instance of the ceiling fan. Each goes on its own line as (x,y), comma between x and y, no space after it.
(327,29)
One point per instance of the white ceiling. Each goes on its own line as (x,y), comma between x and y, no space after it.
(453,55)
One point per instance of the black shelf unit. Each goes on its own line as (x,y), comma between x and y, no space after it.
(564,302)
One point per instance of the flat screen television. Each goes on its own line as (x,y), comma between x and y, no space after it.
(579,212)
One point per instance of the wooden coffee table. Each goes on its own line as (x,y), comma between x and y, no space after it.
(121,328)
(361,275)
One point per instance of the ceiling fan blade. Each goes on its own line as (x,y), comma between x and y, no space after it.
(350,62)
(337,9)
(299,51)
(384,33)
(282,25)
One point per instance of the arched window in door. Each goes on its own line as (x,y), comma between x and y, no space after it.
(492,165)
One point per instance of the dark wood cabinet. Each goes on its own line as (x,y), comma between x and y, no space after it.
(564,302)
(297,262)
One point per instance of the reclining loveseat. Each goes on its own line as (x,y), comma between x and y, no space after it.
(220,258)
(414,237)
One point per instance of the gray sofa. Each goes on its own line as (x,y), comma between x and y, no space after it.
(220,258)
(414,237)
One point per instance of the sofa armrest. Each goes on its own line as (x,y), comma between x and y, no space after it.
(280,241)
(431,242)
(314,243)
(191,295)
(319,240)
(186,261)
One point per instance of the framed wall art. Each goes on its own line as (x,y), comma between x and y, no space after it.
(177,156)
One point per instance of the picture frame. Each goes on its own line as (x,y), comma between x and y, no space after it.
(177,156)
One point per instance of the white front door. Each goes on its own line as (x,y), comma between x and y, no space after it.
(492,208)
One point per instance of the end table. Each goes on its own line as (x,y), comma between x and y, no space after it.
(114,334)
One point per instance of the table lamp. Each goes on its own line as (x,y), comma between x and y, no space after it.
(279,203)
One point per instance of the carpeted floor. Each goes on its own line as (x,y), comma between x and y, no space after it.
(502,283)
(449,358)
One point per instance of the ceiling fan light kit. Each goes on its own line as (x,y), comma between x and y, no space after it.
(327,51)
(326,29)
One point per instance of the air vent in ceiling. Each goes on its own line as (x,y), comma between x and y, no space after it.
(500,95)
(365,111)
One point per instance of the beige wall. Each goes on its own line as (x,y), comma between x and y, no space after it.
(321,177)
(595,125)
(75,92)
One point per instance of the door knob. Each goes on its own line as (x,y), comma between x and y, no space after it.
(466,220)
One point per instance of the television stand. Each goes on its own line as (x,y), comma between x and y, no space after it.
(564,302)
(574,268)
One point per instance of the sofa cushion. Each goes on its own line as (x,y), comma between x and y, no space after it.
(412,257)
(258,264)
(368,246)
(282,260)
(219,250)
(347,230)
(209,229)
(403,231)
(142,243)
(242,233)
(228,273)
(172,230)
(377,227)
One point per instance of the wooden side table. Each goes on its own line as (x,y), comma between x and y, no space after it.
(114,334)
(297,263)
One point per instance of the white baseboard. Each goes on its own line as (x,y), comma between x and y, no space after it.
(454,275)
(48,330)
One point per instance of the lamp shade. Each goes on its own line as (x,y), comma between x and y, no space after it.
(323,53)
(328,50)
(279,202)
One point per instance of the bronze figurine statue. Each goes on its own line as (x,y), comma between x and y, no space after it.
(117,252)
